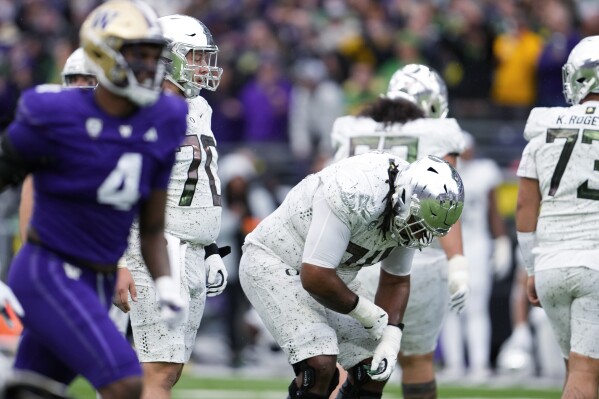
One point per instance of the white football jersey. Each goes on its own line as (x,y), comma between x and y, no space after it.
(193,209)
(563,155)
(410,141)
(479,177)
(355,190)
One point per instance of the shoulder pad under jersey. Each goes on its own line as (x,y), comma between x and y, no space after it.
(43,104)
(446,132)
(540,118)
(355,187)
(347,126)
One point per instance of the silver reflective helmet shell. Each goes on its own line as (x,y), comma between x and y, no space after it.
(580,74)
(421,86)
(428,200)
(186,34)
(75,65)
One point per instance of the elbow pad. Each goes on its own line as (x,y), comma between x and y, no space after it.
(12,168)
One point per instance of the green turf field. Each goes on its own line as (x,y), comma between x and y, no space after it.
(230,388)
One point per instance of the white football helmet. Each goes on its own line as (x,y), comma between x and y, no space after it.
(106,31)
(580,74)
(187,36)
(75,66)
(421,86)
(428,200)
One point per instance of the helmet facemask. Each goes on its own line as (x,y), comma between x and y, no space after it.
(407,226)
(192,68)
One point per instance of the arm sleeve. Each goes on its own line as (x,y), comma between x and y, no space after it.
(327,237)
(399,261)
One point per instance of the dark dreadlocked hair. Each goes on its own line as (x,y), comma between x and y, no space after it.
(385,225)
(387,111)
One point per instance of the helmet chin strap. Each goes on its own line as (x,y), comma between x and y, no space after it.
(188,92)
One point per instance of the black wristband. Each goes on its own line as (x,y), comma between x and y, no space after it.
(210,250)
(398,325)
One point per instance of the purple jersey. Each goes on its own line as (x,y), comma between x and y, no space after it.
(91,170)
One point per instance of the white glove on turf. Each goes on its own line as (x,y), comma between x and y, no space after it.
(173,310)
(373,318)
(502,257)
(457,277)
(217,275)
(7,297)
(385,354)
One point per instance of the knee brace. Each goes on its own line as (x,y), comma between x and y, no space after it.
(355,390)
(425,390)
(308,380)
(350,391)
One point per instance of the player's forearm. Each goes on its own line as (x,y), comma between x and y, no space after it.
(392,295)
(25,207)
(327,288)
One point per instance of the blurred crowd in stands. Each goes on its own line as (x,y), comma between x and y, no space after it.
(292,66)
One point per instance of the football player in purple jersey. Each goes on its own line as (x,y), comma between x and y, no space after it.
(74,74)
(99,158)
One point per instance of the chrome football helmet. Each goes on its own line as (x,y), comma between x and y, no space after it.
(75,66)
(192,62)
(421,86)
(428,200)
(580,74)
(108,29)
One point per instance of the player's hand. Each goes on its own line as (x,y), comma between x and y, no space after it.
(172,308)
(502,257)
(385,354)
(216,271)
(457,277)
(373,318)
(7,297)
(125,286)
(531,292)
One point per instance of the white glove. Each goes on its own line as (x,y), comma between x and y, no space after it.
(373,318)
(217,275)
(8,298)
(457,277)
(502,257)
(173,310)
(385,354)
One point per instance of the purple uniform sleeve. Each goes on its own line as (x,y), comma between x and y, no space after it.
(28,134)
